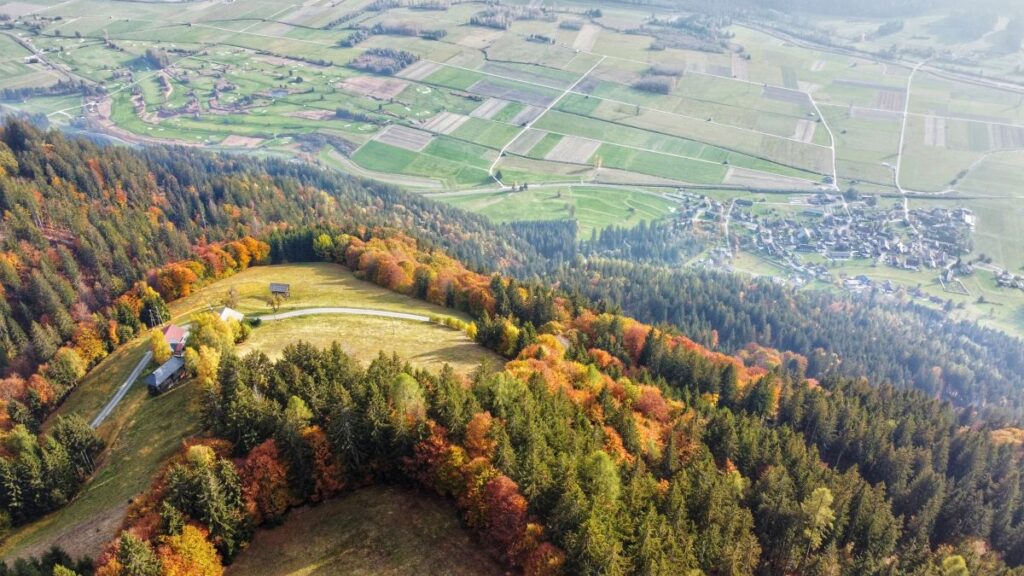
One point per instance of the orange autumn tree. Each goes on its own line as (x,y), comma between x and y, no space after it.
(478,441)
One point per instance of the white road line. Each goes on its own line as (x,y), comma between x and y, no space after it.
(645,108)
(846,106)
(119,395)
(832,139)
(903,136)
(350,311)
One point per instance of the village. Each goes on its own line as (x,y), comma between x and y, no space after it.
(812,235)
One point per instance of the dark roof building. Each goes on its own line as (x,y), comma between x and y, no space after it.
(282,289)
(166,375)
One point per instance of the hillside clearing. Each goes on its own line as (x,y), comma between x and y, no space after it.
(378,530)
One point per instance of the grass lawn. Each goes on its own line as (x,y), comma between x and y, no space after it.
(143,433)
(378,530)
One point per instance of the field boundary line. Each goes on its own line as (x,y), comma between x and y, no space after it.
(539,116)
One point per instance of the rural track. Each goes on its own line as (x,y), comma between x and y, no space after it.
(565,92)
(342,310)
(528,125)
(872,57)
(122,390)
(899,151)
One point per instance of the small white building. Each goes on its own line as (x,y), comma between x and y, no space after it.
(231,314)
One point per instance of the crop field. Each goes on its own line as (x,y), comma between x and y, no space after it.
(256,76)
(599,104)
(526,102)
(143,431)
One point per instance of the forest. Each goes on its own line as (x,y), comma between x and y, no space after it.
(605,445)
(902,344)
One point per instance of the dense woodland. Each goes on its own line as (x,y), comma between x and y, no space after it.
(903,344)
(604,446)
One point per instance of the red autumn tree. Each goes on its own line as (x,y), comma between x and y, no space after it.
(652,404)
(327,470)
(506,513)
(264,479)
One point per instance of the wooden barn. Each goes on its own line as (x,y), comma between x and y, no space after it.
(167,375)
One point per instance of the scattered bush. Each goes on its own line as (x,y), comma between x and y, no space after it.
(655,84)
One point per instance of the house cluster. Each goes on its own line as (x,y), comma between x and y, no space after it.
(1007,279)
(835,230)
(171,372)
(812,232)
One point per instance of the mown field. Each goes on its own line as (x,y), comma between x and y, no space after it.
(258,76)
(379,530)
(143,431)
(592,207)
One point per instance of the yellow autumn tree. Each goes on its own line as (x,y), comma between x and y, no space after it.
(158,345)
(189,554)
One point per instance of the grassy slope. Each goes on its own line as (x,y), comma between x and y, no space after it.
(312,284)
(363,337)
(143,431)
(378,530)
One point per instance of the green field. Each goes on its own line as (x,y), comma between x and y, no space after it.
(240,79)
(593,208)
(141,434)
(378,530)
(143,431)
(270,74)
(235,80)
(363,338)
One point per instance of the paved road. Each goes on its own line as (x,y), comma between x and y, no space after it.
(899,151)
(122,390)
(352,311)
